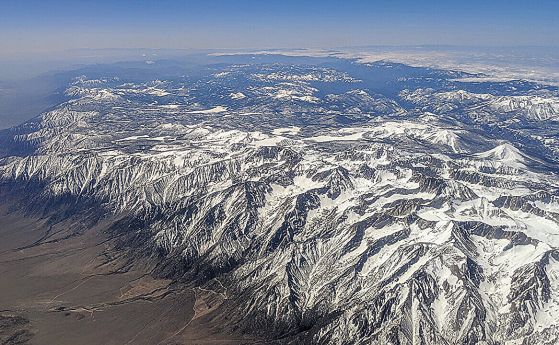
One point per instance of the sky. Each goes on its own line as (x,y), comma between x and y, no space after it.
(35,26)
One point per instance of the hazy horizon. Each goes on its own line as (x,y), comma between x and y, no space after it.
(31,26)
(38,37)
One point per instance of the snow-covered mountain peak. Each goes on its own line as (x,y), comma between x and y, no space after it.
(504,153)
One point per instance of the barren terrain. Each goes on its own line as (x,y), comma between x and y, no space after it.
(76,290)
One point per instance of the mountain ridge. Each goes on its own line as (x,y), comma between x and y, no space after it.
(323,219)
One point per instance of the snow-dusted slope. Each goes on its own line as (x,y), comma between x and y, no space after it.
(484,107)
(391,230)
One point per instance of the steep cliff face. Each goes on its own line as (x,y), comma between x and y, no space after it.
(392,229)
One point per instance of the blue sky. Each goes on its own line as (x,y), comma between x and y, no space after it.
(31,25)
